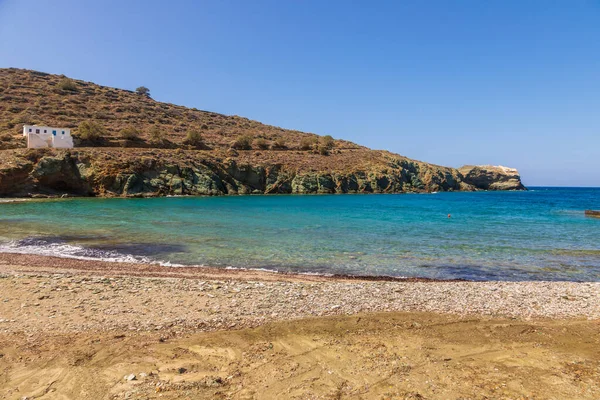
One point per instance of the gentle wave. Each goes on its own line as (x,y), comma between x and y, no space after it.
(4,200)
(275,271)
(272,271)
(59,248)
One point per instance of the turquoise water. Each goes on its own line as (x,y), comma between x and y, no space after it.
(541,234)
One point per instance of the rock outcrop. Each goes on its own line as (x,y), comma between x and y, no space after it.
(118,172)
(489,177)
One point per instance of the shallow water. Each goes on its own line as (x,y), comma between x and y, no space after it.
(541,234)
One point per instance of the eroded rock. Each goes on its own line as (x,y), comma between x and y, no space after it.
(107,173)
(489,177)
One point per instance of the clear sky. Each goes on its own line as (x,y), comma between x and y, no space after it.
(515,83)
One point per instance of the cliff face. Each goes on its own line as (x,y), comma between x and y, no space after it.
(117,172)
(273,160)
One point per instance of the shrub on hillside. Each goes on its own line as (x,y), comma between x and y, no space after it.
(193,138)
(308,143)
(91,131)
(157,135)
(279,144)
(326,144)
(130,133)
(261,143)
(243,142)
(323,151)
(67,84)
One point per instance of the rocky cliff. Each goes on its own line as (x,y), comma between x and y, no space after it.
(117,172)
(156,157)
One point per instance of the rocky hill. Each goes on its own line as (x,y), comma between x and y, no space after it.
(128,144)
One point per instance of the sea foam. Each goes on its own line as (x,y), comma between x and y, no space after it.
(55,247)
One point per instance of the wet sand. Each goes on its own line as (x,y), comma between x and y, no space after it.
(75,329)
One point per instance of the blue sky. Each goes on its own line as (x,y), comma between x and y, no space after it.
(515,83)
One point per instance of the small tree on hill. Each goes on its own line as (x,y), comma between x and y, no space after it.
(143,90)
(91,131)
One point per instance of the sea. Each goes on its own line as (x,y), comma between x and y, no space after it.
(539,234)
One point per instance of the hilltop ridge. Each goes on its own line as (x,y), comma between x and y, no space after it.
(175,150)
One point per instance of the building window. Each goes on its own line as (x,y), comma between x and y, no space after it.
(29,129)
(63,132)
(37,131)
(45,131)
(54,133)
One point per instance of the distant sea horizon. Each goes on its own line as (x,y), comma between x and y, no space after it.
(538,234)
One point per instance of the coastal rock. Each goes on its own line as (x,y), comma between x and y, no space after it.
(489,177)
(58,174)
(325,184)
(277,180)
(112,172)
(305,184)
(13,176)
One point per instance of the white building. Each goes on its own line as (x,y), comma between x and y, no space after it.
(47,136)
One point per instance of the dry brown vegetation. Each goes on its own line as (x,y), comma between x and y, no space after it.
(30,97)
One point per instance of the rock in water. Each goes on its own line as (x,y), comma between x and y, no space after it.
(490,177)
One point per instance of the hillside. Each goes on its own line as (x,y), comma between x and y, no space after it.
(228,154)
(37,98)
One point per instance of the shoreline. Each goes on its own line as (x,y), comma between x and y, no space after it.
(78,265)
(296,296)
(102,330)
(32,261)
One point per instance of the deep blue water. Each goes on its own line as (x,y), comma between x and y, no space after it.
(541,234)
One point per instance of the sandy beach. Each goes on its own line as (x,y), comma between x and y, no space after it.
(72,329)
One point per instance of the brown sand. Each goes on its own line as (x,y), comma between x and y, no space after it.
(71,329)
